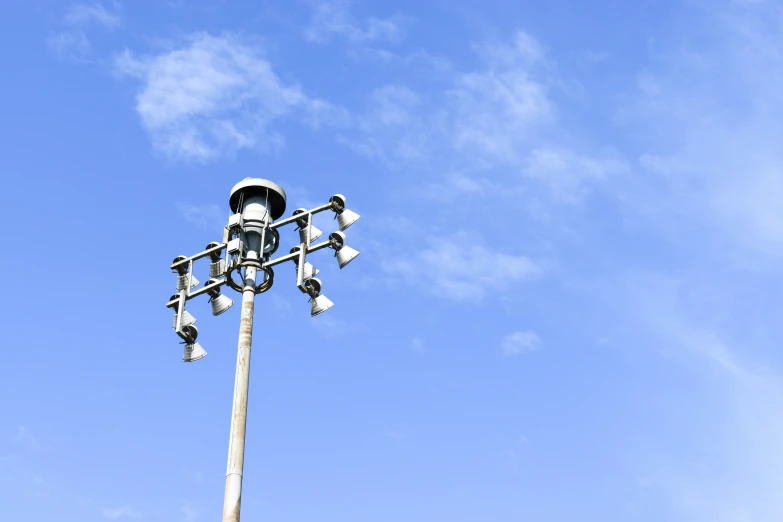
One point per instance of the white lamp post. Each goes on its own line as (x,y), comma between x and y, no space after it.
(249,240)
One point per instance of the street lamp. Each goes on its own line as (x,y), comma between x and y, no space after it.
(249,240)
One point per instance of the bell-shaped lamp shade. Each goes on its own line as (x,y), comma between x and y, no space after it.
(217,268)
(315,233)
(345,255)
(187,319)
(319,304)
(193,350)
(220,304)
(309,271)
(182,282)
(347,218)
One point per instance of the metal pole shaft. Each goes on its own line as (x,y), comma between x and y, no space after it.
(236,444)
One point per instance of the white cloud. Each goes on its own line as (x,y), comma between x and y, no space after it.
(333,327)
(333,19)
(523,49)
(119,512)
(568,174)
(419,59)
(392,106)
(209,216)
(24,436)
(69,45)
(497,121)
(495,110)
(460,269)
(95,13)
(391,126)
(73,44)
(215,95)
(455,186)
(740,414)
(502,118)
(28,442)
(396,434)
(709,116)
(518,342)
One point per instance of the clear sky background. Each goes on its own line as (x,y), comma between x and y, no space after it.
(567,306)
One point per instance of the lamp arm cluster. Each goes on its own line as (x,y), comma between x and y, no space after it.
(241,249)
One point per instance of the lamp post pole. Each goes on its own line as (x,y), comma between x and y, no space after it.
(236,442)
(249,241)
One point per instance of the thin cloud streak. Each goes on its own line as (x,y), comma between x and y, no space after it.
(330,19)
(95,13)
(459,269)
(517,343)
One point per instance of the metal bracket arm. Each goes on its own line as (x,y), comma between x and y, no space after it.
(295,255)
(198,292)
(293,219)
(199,255)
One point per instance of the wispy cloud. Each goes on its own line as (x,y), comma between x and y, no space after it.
(117,513)
(24,436)
(743,412)
(519,342)
(387,127)
(29,442)
(95,13)
(523,49)
(391,105)
(73,43)
(208,216)
(709,116)
(216,95)
(69,45)
(496,109)
(497,120)
(330,326)
(417,59)
(458,268)
(330,19)
(568,174)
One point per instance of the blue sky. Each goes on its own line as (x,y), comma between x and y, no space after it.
(567,304)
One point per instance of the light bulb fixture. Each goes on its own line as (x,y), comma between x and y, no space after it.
(193,350)
(187,317)
(182,277)
(344,253)
(315,233)
(319,303)
(301,223)
(217,268)
(220,303)
(345,217)
(309,270)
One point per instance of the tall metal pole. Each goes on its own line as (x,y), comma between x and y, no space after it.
(236,443)
(250,239)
